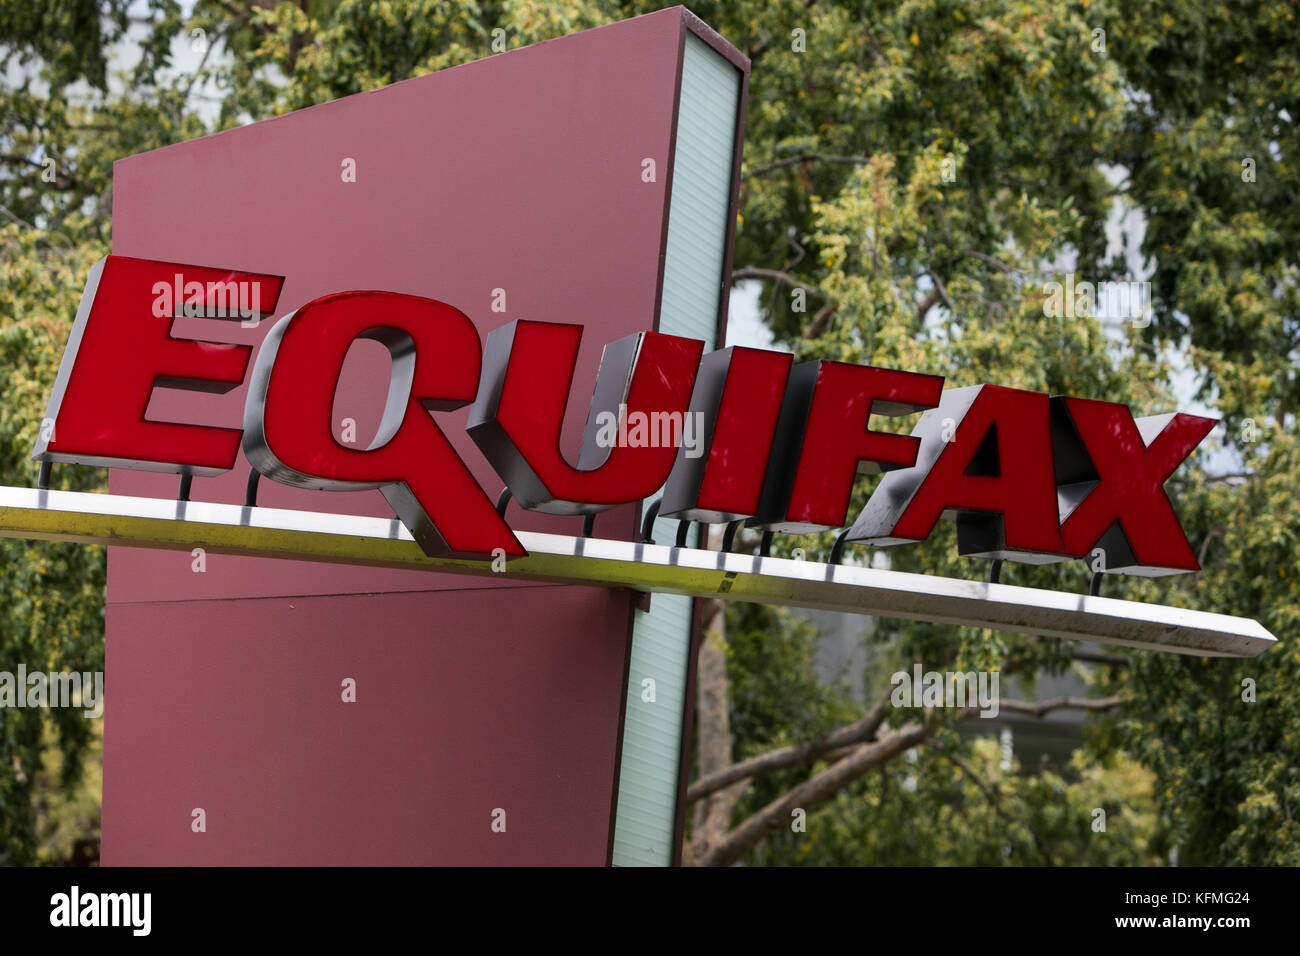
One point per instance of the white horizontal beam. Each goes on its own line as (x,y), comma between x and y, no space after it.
(349,539)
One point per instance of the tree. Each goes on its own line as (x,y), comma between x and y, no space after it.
(61,131)
(922,173)
(1050,117)
(1212,152)
(54,593)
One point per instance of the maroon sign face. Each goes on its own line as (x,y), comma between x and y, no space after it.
(736,434)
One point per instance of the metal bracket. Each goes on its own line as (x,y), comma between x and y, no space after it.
(250,488)
(729,535)
(837,549)
(648,522)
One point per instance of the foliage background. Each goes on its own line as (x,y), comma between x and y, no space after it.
(922,168)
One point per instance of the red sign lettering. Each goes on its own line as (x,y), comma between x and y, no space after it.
(737,434)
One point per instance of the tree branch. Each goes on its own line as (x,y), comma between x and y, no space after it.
(926,303)
(809,158)
(820,321)
(817,789)
(1205,547)
(775,275)
(61,182)
(1009,270)
(994,797)
(1041,707)
(849,735)
(943,292)
(783,757)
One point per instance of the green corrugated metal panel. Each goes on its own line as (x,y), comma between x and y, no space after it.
(697,232)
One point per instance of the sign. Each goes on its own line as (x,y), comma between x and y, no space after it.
(615,214)
(502,683)
(1026,476)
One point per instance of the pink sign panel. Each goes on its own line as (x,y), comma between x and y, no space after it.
(509,188)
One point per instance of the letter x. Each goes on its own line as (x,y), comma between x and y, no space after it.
(1131,473)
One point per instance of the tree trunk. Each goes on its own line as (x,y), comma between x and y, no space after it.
(713,725)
